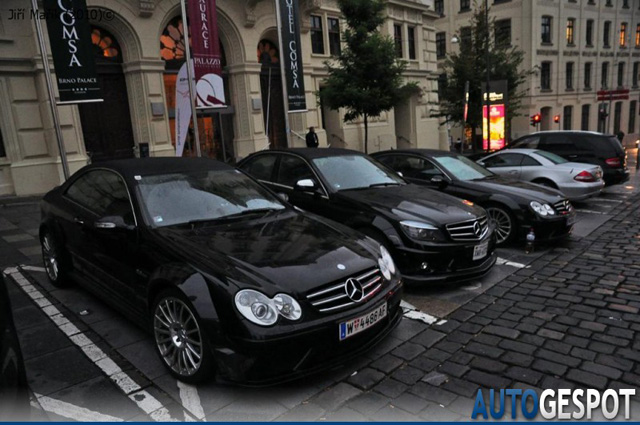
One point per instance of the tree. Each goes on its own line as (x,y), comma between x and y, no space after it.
(470,64)
(367,79)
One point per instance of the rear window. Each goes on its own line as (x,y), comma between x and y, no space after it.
(556,159)
(599,145)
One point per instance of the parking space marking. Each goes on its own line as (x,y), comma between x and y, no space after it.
(34,269)
(142,398)
(191,401)
(411,312)
(591,212)
(71,411)
(612,201)
(504,262)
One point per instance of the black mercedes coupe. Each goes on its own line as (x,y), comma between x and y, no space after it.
(433,237)
(228,277)
(515,206)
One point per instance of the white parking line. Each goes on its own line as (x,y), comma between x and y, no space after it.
(504,262)
(608,201)
(142,398)
(591,212)
(34,269)
(191,401)
(411,312)
(71,411)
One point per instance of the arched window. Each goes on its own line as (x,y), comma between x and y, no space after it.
(105,45)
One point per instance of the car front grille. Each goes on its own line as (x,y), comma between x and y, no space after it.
(335,296)
(563,207)
(470,230)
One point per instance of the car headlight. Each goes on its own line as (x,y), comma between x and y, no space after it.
(421,231)
(387,266)
(542,210)
(264,311)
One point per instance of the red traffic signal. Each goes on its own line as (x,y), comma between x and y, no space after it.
(556,119)
(535,119)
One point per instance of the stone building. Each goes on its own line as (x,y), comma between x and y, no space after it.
(139,48)
(575,49)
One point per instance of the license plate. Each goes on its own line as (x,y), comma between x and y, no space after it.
(571,220)
(480,251)
(355,326)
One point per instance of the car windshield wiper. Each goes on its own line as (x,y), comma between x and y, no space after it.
(385,184)
(234,215)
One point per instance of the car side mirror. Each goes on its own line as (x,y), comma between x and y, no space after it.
(439,181)
(283,196)
(400,174)
(306,185)
(112,222)
(481,163)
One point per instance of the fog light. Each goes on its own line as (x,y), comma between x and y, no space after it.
(424,266)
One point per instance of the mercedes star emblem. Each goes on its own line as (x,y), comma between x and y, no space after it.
(476,229)
(354,290)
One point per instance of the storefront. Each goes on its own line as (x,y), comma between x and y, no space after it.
(139,47)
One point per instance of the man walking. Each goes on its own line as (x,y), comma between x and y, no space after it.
(312,138)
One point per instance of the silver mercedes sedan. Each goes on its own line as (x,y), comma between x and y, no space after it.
(576,180)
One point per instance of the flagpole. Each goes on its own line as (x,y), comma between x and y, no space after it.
(52,95)
(190,73)
(285,94)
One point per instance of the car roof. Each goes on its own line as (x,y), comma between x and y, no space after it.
(129,168)
(578,132)
(425,152)
(517,150)
(313,153)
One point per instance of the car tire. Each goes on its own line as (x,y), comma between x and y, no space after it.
(179,338)
(505,223)
(55,259)
(545,183)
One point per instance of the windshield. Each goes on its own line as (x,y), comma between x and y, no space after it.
(462,168)
(551,157)
(355,172)
(188,196)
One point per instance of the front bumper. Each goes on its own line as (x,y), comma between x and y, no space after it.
(267,361)
(548,229)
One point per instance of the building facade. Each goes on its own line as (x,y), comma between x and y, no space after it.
(575,48)
(139,48)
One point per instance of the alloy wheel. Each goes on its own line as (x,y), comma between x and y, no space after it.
(503,223)
(178,336)
(50,258)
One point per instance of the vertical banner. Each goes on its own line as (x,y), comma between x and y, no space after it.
(292,54)
(205,52)
(497,117)
(72,51)
(183,109)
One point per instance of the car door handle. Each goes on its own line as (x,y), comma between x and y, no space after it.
(78,220)
(513,172)
(573,156)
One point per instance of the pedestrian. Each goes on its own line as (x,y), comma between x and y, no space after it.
(458,145)
(312,138)
(620,135)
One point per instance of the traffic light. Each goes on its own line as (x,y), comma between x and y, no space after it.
(556,119)
(535,119)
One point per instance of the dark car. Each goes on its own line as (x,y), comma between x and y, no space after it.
(582,146)
(433,237)
(515,206)
(228,278)
(14,392)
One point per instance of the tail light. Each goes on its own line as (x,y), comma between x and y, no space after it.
(613,162)
(585,176)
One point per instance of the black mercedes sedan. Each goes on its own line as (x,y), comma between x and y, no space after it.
(514,206)
(228,277)
(433,237)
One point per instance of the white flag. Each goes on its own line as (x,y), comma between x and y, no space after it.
(183,109)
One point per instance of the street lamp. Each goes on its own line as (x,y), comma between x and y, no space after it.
(455,39)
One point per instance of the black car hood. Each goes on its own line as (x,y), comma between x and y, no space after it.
(515,188)
(414,202)
(282,252)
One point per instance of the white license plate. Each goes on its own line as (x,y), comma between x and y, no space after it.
(480,251)
(571,220)
(355,326)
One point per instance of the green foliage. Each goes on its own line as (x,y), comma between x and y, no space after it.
(470,64)
(366,78)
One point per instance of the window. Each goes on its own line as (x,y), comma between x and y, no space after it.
(334,36)
(569,76)
(442,84)
(545,76)
(638,35)
(411,166)
(617,116)
(634,76)
(261,167)
(3,152)
(465,5)
(587,75)
(317,37)
(397,38)
(465,38)
(546,29)
(441,44)
(502,32)
(584,121)
(103,193)
(527,161)
(571,23)
(293,169)
(623,34)
(621,74)
(606,34)
(604,75)
(632,116)
(589,33)
(608,3)
(439,7)
(411,38)
(504,160)
(568,117)
(625,4)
